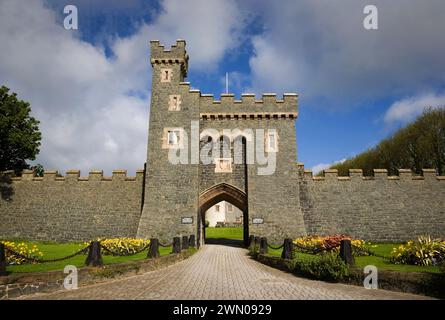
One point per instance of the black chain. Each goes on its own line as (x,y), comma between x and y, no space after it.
(113,253)
(37,260)
(165,245)
(275,248)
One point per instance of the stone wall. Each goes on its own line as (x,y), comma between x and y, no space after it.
(72,207)
(379,208)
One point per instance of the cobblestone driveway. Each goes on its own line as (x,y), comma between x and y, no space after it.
(220,272)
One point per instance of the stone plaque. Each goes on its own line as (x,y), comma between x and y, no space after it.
(257,220)
(186,220)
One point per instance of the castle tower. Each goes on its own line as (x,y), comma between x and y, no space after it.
(171,190)
(179,191)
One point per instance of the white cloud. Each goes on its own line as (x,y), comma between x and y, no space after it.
(88,118)
(322,166)
(407,109)
(321,50)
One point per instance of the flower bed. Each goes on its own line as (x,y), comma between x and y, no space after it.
(25,249)
(317,244)
(425,251)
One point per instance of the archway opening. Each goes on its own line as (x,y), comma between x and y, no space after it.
(223,216)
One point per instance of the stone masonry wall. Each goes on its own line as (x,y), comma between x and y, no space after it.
(379,208)
(71,207)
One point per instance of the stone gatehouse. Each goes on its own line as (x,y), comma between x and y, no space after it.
(202,151)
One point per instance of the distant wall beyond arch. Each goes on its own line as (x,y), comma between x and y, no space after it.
(218,193)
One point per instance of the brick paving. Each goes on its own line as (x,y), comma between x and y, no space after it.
(220,272)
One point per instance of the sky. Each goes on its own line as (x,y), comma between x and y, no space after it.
(90,88)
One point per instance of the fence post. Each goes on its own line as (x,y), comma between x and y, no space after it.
(192,241)
(263,245)
(257,243)
(346,252)
(2,260)
(287,249)
(185,243)
(251,243)
(153,250)
(176,245)
(94,257)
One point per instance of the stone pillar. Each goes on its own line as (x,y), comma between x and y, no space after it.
(287,249)
(153,251)
(185,243)
(94,257)
(192,241)
(176,245)
(346,252)
(263,245)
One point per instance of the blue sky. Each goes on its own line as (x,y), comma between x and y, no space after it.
(356,86)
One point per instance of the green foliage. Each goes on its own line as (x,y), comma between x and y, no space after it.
(207,223)
(326,266)
(224,233)
(19,133)
(38,170)
(419,145)
(424,251)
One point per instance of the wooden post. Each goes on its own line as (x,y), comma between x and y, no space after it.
(287,249)
(2,260)
(192,241)
(251,242)
(257,243)
(346,252)
(94,257)
(153,250)
(176,245)
(263,245)
(185,243)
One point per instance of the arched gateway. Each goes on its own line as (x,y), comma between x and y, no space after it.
(216,194)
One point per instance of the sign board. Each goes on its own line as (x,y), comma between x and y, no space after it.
(186,220)
(257,220)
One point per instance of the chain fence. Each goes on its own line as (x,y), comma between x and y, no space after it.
(37,260)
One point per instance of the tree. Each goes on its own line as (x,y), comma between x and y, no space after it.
(19,133)
(417,146)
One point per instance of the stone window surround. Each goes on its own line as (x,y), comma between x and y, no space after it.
(171,102)
(274,132)
(166,145)
(218,168)
(169,74)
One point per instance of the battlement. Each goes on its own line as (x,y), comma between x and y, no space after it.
(379,174)
(176,54)
(248,106)
(74,175)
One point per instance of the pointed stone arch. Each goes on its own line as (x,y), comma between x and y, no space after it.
(224,192)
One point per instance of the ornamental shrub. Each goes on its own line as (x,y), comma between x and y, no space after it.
(27,250)
(327,266)
(425,251)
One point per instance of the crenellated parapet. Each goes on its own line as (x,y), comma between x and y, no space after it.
(379,174)
(176,54)
(74,175)
(247,107)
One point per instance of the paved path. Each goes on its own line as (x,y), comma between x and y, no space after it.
(220,272)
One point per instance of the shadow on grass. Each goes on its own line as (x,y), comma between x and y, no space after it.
(225,242)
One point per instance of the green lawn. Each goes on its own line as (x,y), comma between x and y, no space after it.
(383,249)
(59,250)
(224,233)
